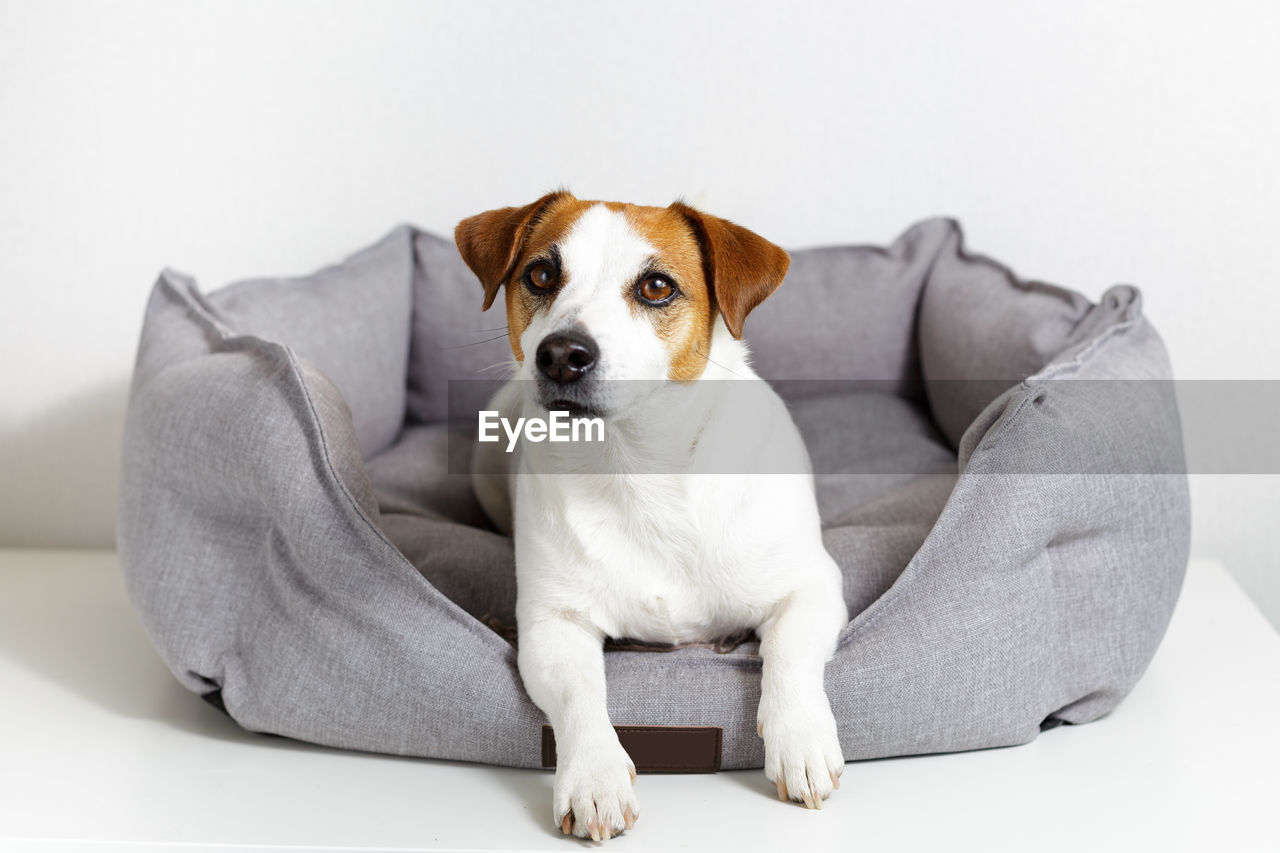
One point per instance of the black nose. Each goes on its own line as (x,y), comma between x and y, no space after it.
(566,356)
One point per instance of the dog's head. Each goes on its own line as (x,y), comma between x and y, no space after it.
(602,291)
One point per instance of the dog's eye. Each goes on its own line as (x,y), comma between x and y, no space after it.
(656,289)
(542,276)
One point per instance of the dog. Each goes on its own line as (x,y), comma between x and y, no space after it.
(642,536)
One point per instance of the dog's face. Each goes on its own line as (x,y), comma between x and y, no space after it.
(602,291)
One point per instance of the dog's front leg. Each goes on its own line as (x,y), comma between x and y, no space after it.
(801,748)
(562,665)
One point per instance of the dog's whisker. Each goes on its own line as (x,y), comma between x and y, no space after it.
(477,343)
(509,365)
(713,361)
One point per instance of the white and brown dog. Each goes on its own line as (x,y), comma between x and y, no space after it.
(598,293)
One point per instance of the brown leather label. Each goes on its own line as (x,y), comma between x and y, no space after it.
(659,749)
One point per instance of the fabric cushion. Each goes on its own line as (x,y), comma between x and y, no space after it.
(360,341)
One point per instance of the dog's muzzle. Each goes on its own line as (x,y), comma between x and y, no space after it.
(564,360)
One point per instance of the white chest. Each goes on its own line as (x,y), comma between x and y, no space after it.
(646,558)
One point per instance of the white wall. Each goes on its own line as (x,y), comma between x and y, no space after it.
(1081,142)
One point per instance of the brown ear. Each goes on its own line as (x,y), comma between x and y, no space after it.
(741,267)
(490,242)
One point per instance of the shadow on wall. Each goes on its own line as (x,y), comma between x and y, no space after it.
(61,470)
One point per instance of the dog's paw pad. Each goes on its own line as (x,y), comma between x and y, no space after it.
(594,794)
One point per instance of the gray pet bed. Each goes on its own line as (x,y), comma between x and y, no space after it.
(303,552)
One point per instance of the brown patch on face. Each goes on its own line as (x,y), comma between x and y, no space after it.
(545,232)
(685,325)
(498,244)
(490,241)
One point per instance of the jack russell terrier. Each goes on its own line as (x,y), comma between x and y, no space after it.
(644,535)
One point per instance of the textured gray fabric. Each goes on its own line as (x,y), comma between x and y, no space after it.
(1011,329)
(452,339)
(292,537)
(361,338)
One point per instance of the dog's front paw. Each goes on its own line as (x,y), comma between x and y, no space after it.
(802,754)
(595,792)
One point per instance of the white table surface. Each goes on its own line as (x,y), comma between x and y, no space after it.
(100,749)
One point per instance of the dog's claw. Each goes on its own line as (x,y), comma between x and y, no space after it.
(835,779)
(566,823)
(782,790)
(759,729)
(593,829)
(632,771)
(628,817)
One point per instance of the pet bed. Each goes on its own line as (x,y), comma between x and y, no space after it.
(998,467)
